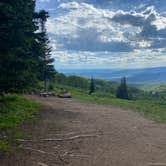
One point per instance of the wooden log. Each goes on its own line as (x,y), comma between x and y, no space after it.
(65,95)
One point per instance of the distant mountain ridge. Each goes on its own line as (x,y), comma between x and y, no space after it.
(145,75)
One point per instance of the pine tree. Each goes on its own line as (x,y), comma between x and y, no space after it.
(24,54)
(122,91)
(46,69)
(92,86)
(16,37)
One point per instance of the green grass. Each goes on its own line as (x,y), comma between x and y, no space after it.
(155,87)
(151,109)
(14,111)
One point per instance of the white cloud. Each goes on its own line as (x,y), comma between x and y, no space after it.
(149,20)
(84,20)
(104,28)
(136,59)
(83,35)
(160,22)
(44,0)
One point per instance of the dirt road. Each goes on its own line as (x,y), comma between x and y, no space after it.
(75,133)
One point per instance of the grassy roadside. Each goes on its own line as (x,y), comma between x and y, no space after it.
(14,111)
(151,109)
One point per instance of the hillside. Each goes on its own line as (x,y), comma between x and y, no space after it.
(156,87)
(146,75)
(107,88)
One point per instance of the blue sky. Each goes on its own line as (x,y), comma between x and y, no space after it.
(107,33)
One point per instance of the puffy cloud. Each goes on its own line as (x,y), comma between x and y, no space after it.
(86,28)
(44,0)
(88,35)
(89,40)
(144,19)
(130,18)
(152,24)
(82,59)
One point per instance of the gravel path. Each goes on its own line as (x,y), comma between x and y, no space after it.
(75,133)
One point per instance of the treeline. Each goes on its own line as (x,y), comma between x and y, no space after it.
(84,83)
(106,88)
(98,86)
(24,46)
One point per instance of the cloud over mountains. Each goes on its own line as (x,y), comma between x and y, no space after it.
(100,26)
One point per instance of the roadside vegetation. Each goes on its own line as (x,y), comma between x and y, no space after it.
(151,104)
(14,111)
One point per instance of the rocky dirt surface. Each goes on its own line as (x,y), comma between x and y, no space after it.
(74,133)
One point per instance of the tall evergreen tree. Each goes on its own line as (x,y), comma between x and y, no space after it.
(92,86)
(24,54)
(16,37)
(45,67)
(122,91)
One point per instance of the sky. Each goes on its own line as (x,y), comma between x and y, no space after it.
(106,33)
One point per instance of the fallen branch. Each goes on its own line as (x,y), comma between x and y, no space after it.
(56,147)
(59,139)
(54,155)
(71,138)
(42,164)
(78,155)
(58,157)
(157,164)
(40,151)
